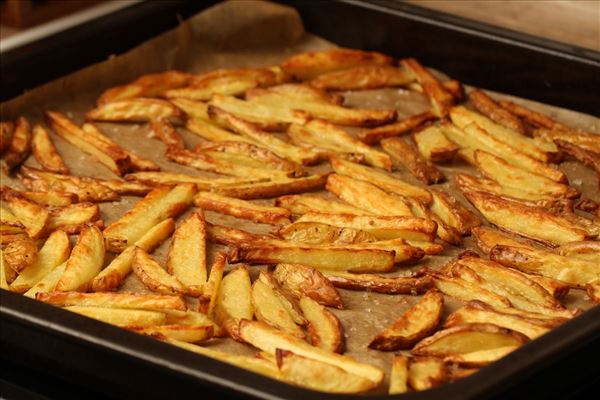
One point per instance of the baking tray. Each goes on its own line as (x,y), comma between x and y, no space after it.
(44,345)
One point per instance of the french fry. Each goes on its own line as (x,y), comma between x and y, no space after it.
(539,149)
(118,317)
(367,196)
(593,290)
(52,198)
(48,282)
(163,130)
(426,372)
(184,333)
(269,340)
(274,188)
(301,281)
(375,135)
(234,301)
(361,78)
(324,329)
(85,262)
(486,238)
(150,302)
(479,358)
(379,283)
(467,339)
(153,276)
(241,208)
(323,135)
(303,204)
(441,100)
(434,145)
(73,218)
(150,85)
(45,153)
(576,272)
(7,129)
(205,89)
(490,108)
(469,183)
(532,117)
(233,237)
(380,179)
(9,224)
(31,215)
(138,109)
(589,250)
(189,318)
(399,375)
(158,205)
(20,254)
(19,147)
(171,178)
(453,213)
(382,227)
(309,65)
(112,276)
(444,231)
(417,323)
(403,153)
(318,233)
(211,289)
(586,140)
(533,223)
(556,288)
(404,253)
(466,291)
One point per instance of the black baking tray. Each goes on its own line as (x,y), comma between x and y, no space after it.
(44,349)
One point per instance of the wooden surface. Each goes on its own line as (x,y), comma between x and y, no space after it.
(572,22)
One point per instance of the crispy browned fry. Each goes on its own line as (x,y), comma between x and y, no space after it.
(583,155)
(577,272)
(20,254)
(297,91)
(52,198)
(399,375)
(453,213)
(123,187)
(234,301)
(323,135)
(85,262)
(534,223)
(7,129)
(403,153)
(586,140)
(555,287)
(367,77)
(489,107)
(479,358)
(186,259)
(45,153)
(171,178)
(233,237)
(184,333)
(532,117)
(19,147)
(9,223)
(379,283)
(113,300)
(133,110)
(375,135)
(31,215)
(366,196)
(112,276)
(210,294)
(153,276)
(486,238)
(274,188)
(308,65)
(434,145)
(417,323)
(118,317)
(318,233)
(466,291)
(593,290)
(72,219)
(299,281)
(470,183)
(158,205)
(242,208)
(441,100)
(151,85)
(378,178)
(324,329)
(163,130)
(303,204)
(426,372)
(588,250)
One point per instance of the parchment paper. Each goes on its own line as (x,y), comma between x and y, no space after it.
(251,34)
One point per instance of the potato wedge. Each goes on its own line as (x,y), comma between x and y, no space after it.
(479,358)
(576,272)
(153,276)
(171,178)
(490,108)
(303,204)
(399,375)
(453,213)
(533,223)
(113,300)
(440,98)
(31,215)
(7,129)
(433,145)
(73,218)
(323,135)
(184,333)
(466,291)
(367,196)
(403,153)
(375,135)
(234,301)
(45,153)
(444,231)
(211,288)
(380,179)
(150,85)
(467,339)
(118,317)
(52,198)
(273,188)
(426,372)
(379,283)
(415,324)
(112,276)
(318,233)
(85,262)
(324,328)
(588,250)
(241,208)
(403,252)
(20,254)
(234,237)
(269,340)
(186,259)
(133,110)
(532,117)
(587,141)
(19,147)
(469,183)
(556,288)
(48,282)
(164,131)
(301,281)
(486,238)
(158,205)
(309,65)
(204,89)
(361,78)
(9,223)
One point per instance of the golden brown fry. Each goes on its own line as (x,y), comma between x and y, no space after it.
(171,178)
(9,224)
(153,276)
(211,289)
(375,135)
(19,147)
(583,155)
(163,130)
(304,203)
(45,153)
(405,154)
(399,375)
(72,219)
(7,129)
(276,187)
(444,231)
(367,77)
(150,85)
(589,250)
(479,358)
(466,291)
(308,65)
(31,215)
(184,333)
(379,283)
(318,233)
(113,300)
(490,108)
(299,281)
(586,140)
(242,209)
(426,372)
(453,213)
(434,145)
(20,254)
(532,117)
(233,237)
(555,287)
(418,322)
(234,301)
(324,329)
(486,238)
(534,223)
(574,271)
(133,110)
(158,205)
(52,198)
(118,317)
(469,183)
(441,100)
